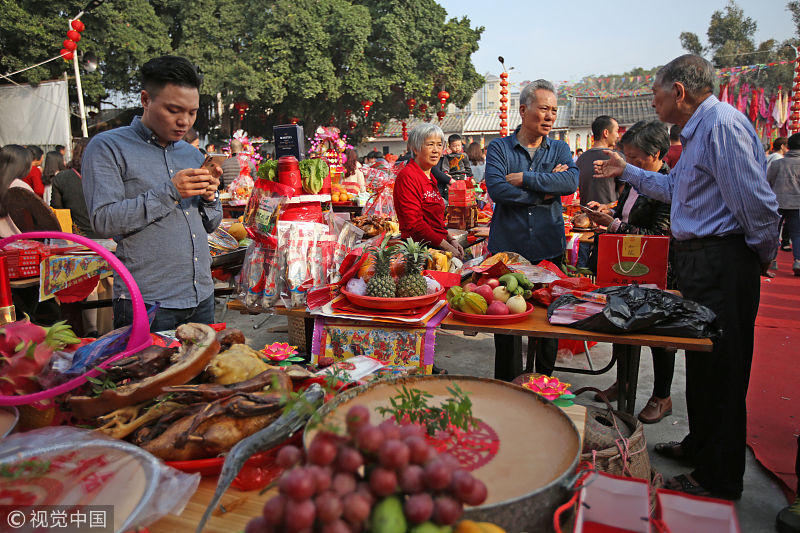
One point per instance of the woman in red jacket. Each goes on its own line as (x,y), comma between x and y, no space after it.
(417,202)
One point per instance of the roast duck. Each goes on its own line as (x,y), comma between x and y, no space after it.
(187,403)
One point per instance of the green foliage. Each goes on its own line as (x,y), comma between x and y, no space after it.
(310,59)
(731,43)
(412,404)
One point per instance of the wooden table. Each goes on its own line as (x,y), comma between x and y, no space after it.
(626,347)
(241,506)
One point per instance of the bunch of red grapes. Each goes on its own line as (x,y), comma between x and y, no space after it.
(342,478)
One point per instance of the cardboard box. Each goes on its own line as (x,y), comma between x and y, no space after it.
(626,259)
(461,197)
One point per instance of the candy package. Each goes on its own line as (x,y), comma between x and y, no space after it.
(264,206)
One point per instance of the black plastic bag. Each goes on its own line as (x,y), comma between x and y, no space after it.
(633,308)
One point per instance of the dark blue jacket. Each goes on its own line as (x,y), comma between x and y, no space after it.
(523,221)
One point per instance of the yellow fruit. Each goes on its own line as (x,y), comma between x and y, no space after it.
(237,231)
(468,526)
(335,197)
(488,527)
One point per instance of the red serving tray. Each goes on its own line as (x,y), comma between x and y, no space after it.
(491,319)
(264,461)
(392,304)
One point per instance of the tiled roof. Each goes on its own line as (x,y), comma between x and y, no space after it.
(626,109)
(452,123)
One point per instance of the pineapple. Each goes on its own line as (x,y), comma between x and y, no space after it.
(382,284)
(412,283)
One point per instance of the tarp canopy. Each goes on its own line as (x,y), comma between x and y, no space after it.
(35,115)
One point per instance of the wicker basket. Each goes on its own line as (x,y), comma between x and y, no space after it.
(614,442)
(297,334)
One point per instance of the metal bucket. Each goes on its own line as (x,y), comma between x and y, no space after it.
(523,507)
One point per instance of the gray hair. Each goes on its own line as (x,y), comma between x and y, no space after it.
(697,74)
(420,133)
(651,137)
(528,94)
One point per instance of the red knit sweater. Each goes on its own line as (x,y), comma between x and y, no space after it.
(419,206)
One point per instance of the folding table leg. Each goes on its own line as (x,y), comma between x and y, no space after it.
(627,375)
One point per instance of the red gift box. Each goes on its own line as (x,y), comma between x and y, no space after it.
(626,259)
(22,259)
(461,197)
(678,512)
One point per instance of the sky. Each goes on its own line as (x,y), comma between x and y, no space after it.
(565,40)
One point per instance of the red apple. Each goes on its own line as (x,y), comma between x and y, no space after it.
(493,282)
(470,287)
(486,292)
(497,308)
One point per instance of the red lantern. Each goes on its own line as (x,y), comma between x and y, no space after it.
(294,120)
(503,132)
(443,96)
(375,126)
(795,116)
(423,107)
(366,104)
(441,114)
(411,103)
(503,124)
(503,99)
(504,75)
(504,91)
(77,25)
(69,45)
(73,35)
(241,108)
(405,130)
(503,115)
(353,124)
(66,54)
(348,112)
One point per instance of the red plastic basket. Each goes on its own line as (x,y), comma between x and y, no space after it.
(140,330)
(492,319)
(392,304)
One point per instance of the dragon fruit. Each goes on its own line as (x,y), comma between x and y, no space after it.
(25,350)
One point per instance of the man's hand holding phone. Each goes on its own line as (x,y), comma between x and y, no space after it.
(193,182)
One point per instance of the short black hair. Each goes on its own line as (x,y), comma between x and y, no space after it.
(603,122)
(675,132)
(579,150)
(35,151)
(453,138)
(794,142)
(374,155)
(59,147)
(779,143)
(650,137)
(160,71)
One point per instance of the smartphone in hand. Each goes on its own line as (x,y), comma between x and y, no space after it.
(213,159)
(589,210)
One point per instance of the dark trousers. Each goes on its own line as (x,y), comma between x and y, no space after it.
(507,365)
(663,369)
(166,318)
(724,275)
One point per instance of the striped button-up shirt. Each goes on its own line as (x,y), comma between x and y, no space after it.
(161,238)
(719,185)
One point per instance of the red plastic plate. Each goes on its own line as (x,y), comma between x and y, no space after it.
(491,319)
(392,304)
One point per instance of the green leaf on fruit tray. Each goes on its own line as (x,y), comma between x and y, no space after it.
(561,402)
(412,404)
(295,359)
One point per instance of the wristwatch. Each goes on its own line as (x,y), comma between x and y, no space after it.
(216,197)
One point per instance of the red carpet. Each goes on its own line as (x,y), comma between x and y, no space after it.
(773,400)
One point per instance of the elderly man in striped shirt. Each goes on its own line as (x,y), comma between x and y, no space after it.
(725,233)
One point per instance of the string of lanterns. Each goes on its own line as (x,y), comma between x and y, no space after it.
(443,96)
(795,116)
(71,42)
(503,103)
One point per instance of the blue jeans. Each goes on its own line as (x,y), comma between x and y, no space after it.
(791,227)
(165,319)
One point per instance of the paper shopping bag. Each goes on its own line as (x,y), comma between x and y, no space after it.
(626,259)
(613,504)
(677,512)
